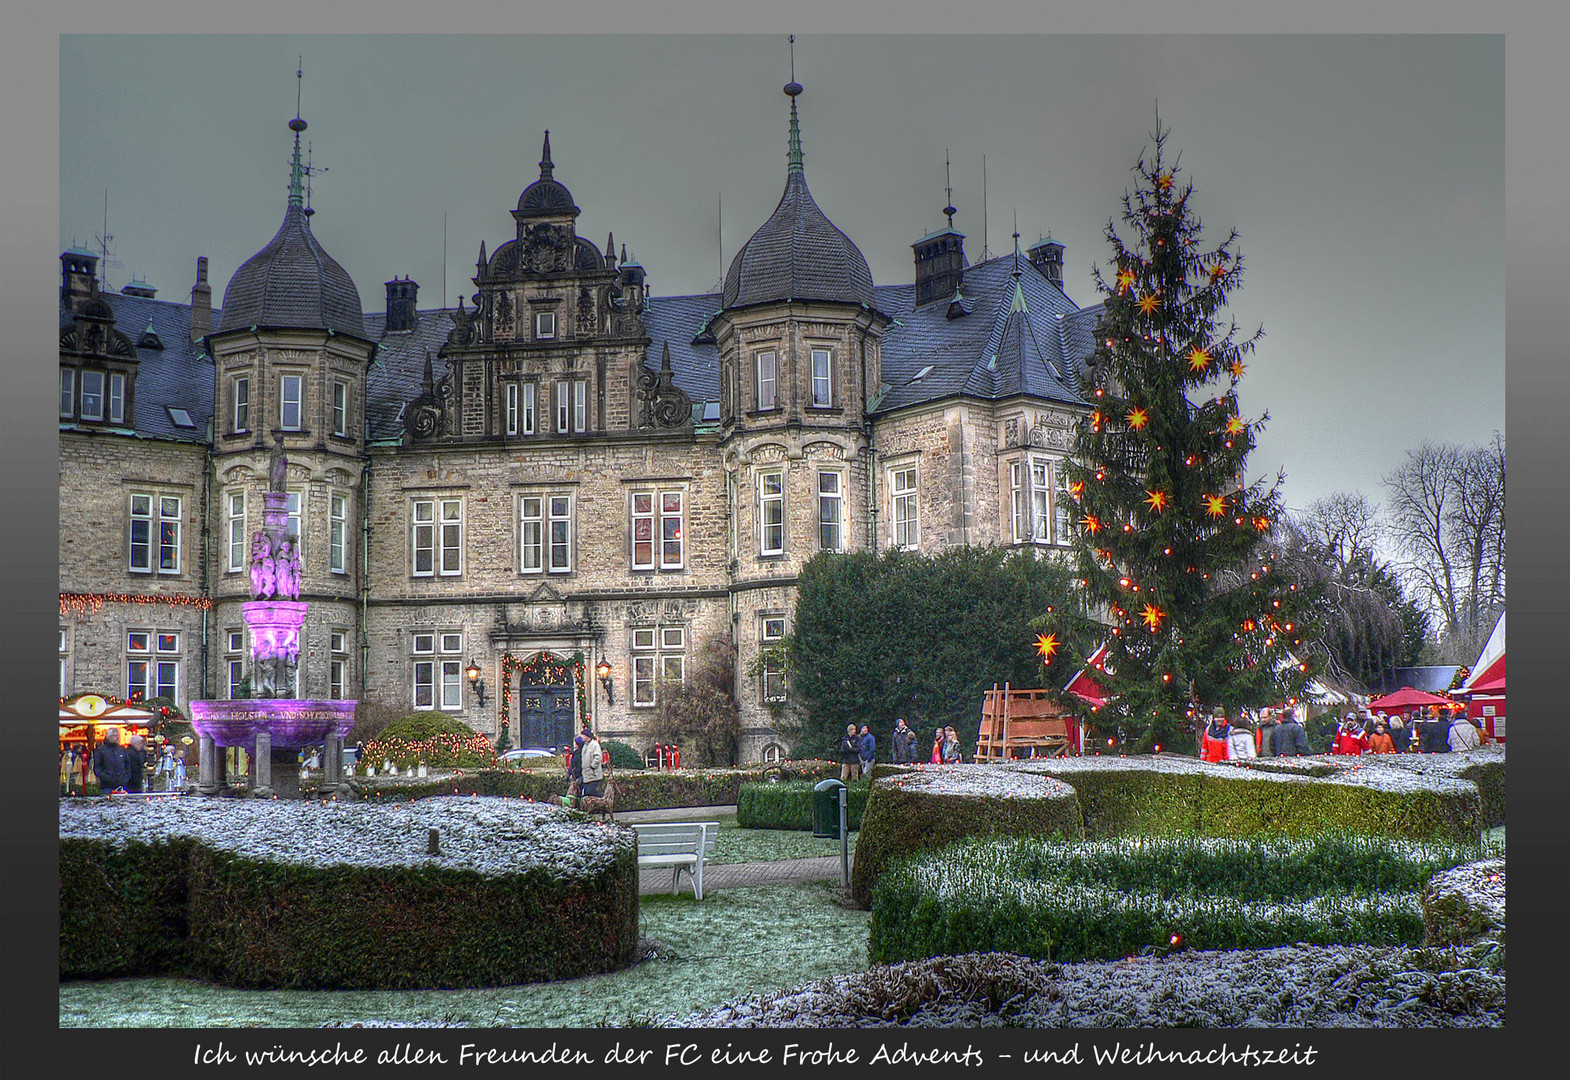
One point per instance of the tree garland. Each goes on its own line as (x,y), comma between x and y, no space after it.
(83,604)
(556,671)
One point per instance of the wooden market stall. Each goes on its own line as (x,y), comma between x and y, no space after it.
(84,721)
(1025,723)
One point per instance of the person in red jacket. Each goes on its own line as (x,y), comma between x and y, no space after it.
(1350,739)
(1380,741)
(1213,743)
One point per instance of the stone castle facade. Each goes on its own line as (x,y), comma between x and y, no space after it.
(568,466)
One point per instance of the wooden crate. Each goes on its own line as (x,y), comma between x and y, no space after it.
(1025,723)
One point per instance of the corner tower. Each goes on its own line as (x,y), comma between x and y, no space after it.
(798,338)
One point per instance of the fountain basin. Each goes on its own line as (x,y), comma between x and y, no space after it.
(291,724)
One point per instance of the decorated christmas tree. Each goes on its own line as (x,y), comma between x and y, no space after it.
(1170,539)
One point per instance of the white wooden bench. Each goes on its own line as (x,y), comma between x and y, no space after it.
(680,845)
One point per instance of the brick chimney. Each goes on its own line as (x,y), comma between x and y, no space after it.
(201,302)
(940,265)
(1047,256)
(78,277)
(401,295)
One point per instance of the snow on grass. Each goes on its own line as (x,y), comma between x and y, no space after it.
(494,837)
(1377,771)
(733,943)
(1294,986)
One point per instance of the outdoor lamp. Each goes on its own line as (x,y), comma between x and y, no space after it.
(473,672)
(603,670)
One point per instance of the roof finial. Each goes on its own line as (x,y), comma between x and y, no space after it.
(545,157)
(297,170)
(948,189)
(1016,243)
(792,89)
(665,356)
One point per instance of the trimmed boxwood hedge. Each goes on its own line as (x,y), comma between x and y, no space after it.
(1103,900)
(267,894)
(927,810)
(788,805)
(651,789)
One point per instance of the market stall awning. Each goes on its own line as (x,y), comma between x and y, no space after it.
(1086,688)
(1490,666)
(1406,698)
(1495,686)
(85,717)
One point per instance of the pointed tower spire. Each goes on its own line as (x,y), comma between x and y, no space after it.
(297,170)
(793,90)
(665,357)
(545,157)
(1016,246)
(948,190)
(610,250)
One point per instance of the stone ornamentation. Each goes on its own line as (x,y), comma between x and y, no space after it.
(662,404)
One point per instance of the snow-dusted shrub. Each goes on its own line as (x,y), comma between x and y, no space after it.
(348,895)
(1107,899)
(122,905)
(788,805)
(929,809)
(1463,905)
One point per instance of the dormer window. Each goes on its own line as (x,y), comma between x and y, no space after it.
(116,398)
(92,395)
(544,325)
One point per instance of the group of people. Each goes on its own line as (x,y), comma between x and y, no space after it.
(586,766)
(123,768)
(1418,733)
(858,748)
(1279,733)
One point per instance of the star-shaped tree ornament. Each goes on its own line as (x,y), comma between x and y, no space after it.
(1262,523)
(1216,505)
(1152,617)
(1156,500)
(1076,489)
(1236,425)
(1164,181)
(1238,367)
(1198,360)
(1125,280)
(1092,523)
(1046,645)
(1138,418)
(1149,303)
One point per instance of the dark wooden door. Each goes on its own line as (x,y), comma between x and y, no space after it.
(545,716)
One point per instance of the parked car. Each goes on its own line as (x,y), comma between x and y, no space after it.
(531,752)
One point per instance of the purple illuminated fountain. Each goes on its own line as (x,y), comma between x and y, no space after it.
(272,726)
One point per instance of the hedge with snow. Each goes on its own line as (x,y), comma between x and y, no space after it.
(1101,900)
(1417,797)
(929,809)
(788,805)
(342,895)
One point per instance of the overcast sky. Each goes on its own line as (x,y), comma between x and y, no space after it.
(1365,175)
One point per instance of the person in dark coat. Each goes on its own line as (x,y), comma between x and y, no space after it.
(850,754)
(1436,733)
(1290,740)
(867,744)
(1266,733)
(135,765)
(109,762)
(904,743)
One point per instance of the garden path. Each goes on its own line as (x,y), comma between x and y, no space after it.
(733,876)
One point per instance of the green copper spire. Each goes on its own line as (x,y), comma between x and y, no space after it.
(793,89)
(297,171)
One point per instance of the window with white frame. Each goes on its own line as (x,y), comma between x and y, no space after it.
(531,534)
(92,395)
(234,661)
(658,656)
(294,508)
(822,378)
(657,532)
(526,419)
(155,534)
(65,658)
(772,672)
(340,407)
(242,403)
(510,409)
(67,392)
(831,511)
(1017,518)
(116,398)
(338,534)
(902,494)
(544,325)
(423,646)
(436,537)
(451,671)
(1062,504)
(771,513)
(560,526)
(563,408)
(437,670)
(239,556)
(768,381)
(338,665)
(1040,502)
(580,405)
(152,666)
(289,402)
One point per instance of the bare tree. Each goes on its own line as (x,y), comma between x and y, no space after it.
(1343,525)
(699,712)
(1447,517)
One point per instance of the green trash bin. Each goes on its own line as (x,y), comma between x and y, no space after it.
(826,809)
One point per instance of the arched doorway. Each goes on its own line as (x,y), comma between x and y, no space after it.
(548,705)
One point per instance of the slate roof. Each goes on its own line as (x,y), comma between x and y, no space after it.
(396,373)
(292,282)
(798,254)
(179,375)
